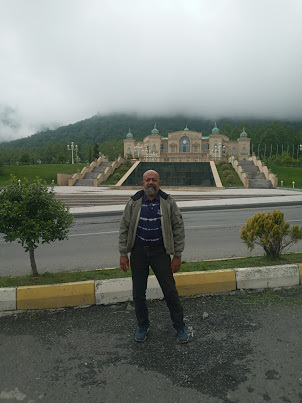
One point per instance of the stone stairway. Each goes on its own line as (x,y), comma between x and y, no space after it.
(256,178)
(88,179)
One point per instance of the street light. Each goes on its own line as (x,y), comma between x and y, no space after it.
(73,147)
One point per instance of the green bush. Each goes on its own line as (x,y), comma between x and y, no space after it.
(227,173)
(230,179)
(117,176)
(271,232)
(225,166)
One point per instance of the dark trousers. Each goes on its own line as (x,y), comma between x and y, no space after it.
(140,260)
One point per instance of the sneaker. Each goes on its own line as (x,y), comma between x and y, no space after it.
(182,335)
(141,334)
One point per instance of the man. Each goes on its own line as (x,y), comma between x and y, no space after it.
(151,230)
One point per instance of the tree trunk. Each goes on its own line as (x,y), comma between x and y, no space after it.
(33,263)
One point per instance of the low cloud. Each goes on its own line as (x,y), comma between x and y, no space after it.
(66,61)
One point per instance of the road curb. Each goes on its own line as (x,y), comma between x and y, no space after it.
(103,292)
(55,295)
(233,206)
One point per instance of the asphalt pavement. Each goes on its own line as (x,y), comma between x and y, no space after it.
(244,347)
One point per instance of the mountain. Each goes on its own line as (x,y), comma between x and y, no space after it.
(115,127)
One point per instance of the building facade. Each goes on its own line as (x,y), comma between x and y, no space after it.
(186,146)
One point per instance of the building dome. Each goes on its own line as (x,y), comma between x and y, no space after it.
(244,133)
(215,129)
(129,135)
(155,131)
(186,128)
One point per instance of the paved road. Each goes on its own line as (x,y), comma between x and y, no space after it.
(92,242)
(248,349)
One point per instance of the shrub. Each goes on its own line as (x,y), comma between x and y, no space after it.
(225,166)
(117,176)
(227,173)
(230,179)
(271,232)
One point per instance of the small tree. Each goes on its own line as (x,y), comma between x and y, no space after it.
(30,214)
(230,179)
(271,232)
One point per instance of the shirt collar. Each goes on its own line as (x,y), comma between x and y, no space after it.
(145,198)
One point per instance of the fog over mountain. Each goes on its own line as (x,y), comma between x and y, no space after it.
(66,60)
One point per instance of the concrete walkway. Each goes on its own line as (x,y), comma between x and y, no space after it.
(215,199)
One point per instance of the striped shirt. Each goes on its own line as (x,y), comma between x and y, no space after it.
(149,231)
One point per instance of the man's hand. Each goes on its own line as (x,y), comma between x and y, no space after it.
(175,264)
(124,263)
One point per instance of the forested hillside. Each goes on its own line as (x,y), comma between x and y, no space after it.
(109,131)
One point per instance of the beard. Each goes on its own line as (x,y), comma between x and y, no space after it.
(151,190)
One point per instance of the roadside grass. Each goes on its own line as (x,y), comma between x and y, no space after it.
(105,274)
(288,175)
(47,172)
(237,181)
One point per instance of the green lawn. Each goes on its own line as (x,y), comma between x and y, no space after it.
(116,176)
(237,181)
(47,172)
(102,274)
(288,175)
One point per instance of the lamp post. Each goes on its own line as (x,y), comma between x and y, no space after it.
(72,147)
(76,152)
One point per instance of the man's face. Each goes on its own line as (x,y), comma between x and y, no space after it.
(151,183)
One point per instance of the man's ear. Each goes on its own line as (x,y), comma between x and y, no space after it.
(142,183)
(159,183)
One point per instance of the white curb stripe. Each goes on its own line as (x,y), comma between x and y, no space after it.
(8,298)
(120,290)
(267,277)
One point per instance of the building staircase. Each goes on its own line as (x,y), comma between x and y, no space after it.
(88,179)
(256,179)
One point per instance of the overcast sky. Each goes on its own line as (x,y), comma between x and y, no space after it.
(62,61)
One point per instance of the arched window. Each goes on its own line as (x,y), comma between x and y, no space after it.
(128,151)
(234,151)
(243,150)
(154,147)
(184,145)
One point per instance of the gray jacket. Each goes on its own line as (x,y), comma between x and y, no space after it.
(171,223)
